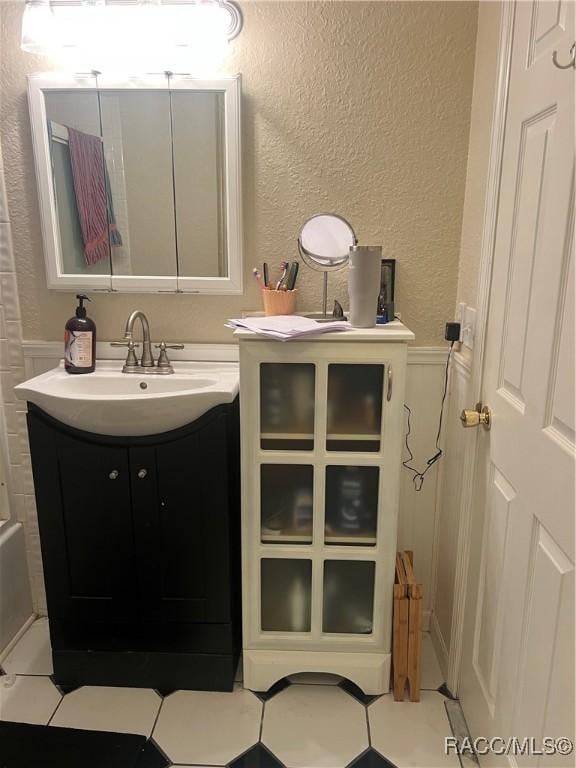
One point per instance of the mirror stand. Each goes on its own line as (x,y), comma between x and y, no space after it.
(324,244)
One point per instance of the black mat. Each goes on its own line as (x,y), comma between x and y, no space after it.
(40,746)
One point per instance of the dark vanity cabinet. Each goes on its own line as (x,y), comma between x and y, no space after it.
(141,552)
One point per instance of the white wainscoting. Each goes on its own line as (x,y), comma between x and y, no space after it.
(448,510)
(418,518)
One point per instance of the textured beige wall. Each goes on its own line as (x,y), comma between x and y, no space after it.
(360,108)
(484,93)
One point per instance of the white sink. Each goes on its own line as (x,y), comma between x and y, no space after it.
(109,402)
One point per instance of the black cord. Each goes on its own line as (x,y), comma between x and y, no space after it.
(418,477)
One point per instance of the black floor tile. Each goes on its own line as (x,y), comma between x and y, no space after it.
(165,691)
(151,757)
(64,689)
(356,692)
(273,690)
(371,759)
(445,691)
(257,757)
(40,746)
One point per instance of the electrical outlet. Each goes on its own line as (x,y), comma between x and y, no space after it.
(468,327)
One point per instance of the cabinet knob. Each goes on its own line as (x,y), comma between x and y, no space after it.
(114,474)
(142,473)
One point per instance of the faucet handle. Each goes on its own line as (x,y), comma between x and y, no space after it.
(163,346)
(164,365)
(131,362)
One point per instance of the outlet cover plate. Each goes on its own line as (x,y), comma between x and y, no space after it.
(468,327)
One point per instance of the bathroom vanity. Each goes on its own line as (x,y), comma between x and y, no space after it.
(140,536)
(322,425)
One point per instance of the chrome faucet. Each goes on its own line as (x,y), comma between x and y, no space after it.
(147,361)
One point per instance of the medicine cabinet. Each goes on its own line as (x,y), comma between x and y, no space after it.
(322,425)
(139,182)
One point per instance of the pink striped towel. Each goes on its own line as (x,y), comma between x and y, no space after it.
(89,177)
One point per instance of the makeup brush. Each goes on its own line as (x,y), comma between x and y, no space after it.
(258,277)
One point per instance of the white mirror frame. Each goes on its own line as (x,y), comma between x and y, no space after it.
(230,86)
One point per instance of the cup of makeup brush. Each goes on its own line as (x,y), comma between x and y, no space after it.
(279,302)
(364,284)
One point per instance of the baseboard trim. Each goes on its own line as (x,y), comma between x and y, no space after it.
(18,636)
(439,643)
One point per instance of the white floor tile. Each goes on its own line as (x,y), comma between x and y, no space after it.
(28,699)
(204,727)
(411,734)
(315,726)
(32,654)
(123,710)
(432,676)
(315,678)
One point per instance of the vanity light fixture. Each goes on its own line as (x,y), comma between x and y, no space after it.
(93,31)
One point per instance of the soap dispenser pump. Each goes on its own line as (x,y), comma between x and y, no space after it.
(80,340)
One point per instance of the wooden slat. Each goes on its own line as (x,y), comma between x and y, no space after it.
(407,629)
(408,569)
(415,591)
(400,645)
(414,646)
(400,570)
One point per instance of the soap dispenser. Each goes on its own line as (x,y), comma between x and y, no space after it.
(80,340)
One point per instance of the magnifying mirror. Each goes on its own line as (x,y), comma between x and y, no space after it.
(324,244)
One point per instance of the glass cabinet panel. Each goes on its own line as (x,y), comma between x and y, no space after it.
(287,406)
(351,510)
(348,597)
(286,588)
(354,416)
(79,110)
(286,500)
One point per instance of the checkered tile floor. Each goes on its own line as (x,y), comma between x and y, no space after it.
(305,721)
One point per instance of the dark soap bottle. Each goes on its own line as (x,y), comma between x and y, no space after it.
(80,340)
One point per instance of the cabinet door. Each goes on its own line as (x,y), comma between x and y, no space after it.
(85,519)
(181,519)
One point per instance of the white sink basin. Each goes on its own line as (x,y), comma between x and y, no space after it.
(109,402)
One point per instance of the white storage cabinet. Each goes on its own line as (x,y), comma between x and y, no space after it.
(322,425)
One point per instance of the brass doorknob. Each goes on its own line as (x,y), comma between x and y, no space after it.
(472,418)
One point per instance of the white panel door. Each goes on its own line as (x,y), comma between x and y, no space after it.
(517,674)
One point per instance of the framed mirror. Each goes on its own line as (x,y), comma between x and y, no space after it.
(139,182)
